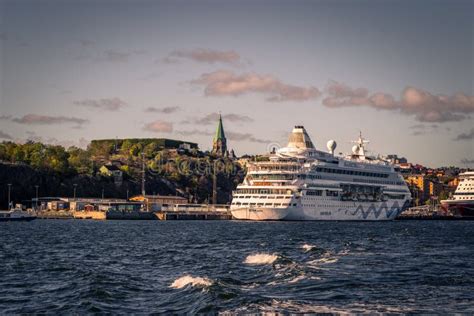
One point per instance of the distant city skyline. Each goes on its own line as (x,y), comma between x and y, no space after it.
(401,72)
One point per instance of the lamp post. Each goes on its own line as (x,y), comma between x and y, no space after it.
(75,186)
(36,203)
(9,191)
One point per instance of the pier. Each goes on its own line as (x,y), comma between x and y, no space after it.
(194,212)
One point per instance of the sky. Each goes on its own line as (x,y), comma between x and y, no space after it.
(399,71)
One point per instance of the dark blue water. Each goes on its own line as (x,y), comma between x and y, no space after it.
(223,266)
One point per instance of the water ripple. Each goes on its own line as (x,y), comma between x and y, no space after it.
(81,267)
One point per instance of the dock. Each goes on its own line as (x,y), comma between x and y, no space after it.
(165,213)
(194,212)
(50,214)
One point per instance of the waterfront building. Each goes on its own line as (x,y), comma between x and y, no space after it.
(420,187)
(435,188)
(152,201)
(111,170)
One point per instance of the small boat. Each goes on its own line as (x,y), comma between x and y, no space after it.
(16,214)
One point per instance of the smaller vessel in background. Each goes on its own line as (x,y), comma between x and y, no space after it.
(16,214)
(461,205)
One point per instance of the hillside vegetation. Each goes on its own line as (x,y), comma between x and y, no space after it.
(170,170)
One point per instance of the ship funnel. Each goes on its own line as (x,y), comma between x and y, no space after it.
(299,138)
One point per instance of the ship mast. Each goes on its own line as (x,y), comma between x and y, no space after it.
(359,148)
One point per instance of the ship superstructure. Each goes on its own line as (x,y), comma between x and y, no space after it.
(299,182)
(462,202)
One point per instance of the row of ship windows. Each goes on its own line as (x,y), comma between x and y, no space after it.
(352,172)
(263,204)
(262,197)
(463,198)
(262,191)
(380,182)
(323,205)
(320,193)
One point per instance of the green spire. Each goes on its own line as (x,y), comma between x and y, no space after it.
(220,130)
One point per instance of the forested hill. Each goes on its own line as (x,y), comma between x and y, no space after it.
(171,169)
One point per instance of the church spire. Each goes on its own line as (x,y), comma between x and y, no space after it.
(220,130)
(219,143)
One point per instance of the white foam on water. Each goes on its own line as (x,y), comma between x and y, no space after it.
(298,278)
(260,259)
(194,281)
(317,263)
(327,260)
(344,252)
(307,247)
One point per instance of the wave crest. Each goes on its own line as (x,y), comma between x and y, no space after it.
(307,247)
(261,258)
(188,279)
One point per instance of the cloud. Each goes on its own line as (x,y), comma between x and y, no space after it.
(466,136)
(195,132)
(202,55)
(227,83)
(89,52)
(231,117)
(4,135)
(245,137)
(424,106)
(340,95)
(35,119)
(164,110)
(116,56)
(422,129)
(466,161)
(436,108)
(159,127)
(107,104)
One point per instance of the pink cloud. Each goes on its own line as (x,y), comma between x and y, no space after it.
(159,127)
(35,119)
(106,104)
(424,106)
(227,83)
(204,56)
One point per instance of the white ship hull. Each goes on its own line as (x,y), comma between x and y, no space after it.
(335,211)
(260,214)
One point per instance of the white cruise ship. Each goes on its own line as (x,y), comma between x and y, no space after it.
(299,182)
(462,202)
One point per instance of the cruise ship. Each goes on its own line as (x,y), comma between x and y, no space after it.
(462,202)
(299,183)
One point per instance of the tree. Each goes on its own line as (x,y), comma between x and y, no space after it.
(79,160)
